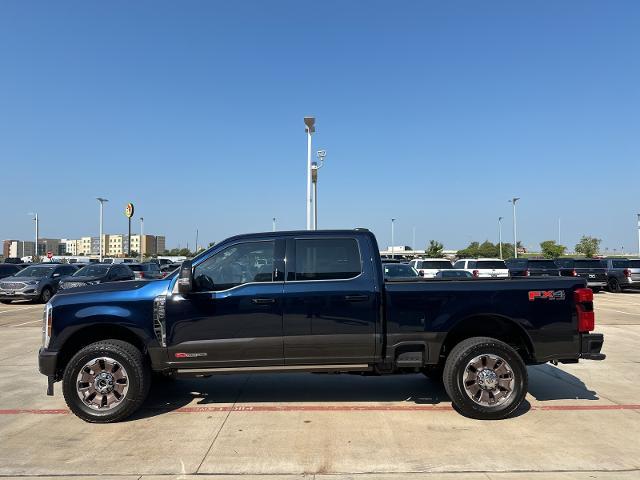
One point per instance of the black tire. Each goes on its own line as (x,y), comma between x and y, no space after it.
(45,295)
(6,302)
(614,286)
(433,373)
(138,380)
(458,363)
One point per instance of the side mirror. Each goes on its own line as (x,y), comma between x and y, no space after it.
(185,279)
(56,275)
(421,273)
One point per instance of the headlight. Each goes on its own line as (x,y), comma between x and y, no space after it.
(47,320)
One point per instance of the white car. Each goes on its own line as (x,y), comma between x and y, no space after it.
(483,267)
(428,267)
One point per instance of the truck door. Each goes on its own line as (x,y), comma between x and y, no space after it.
(330,302)
(233,317)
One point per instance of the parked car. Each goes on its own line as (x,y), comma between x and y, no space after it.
(591,269)
(97,273)
(483,267)
(36,282)
(532,267)
(8,269)
(146,271)
(622,273)
(13,260)
(168,268)
(399,271)
(428,267)
(453,273)
(325,309)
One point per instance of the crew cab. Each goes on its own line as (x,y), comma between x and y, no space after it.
(591,269)
(532,267)
(429,267)
(483,267)
(313,301)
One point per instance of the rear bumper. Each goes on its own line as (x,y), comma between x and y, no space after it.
(594,283)
(591,345)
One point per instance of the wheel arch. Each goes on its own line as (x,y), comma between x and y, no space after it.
(495,326)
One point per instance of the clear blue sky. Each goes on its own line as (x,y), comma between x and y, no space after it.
(435,113)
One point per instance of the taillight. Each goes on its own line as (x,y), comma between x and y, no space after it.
(627,272)
(584,308)
(476,273)
(574,273)
(527,273)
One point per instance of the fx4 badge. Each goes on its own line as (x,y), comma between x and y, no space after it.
(189,355)
(546,295)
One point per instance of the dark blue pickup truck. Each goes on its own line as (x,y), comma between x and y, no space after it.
(311,301)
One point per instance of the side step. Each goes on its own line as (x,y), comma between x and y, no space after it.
(410,360)
(273,369)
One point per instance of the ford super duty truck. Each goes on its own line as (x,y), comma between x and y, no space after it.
(313,301)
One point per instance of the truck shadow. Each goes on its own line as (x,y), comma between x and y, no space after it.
(547,382)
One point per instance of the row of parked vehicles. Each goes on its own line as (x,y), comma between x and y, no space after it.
(614,274)
(39,282)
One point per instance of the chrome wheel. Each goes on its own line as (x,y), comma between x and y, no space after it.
(488,380)
(102,383)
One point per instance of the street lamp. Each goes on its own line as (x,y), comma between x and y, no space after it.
(310,128)
(515,237)
(315,166)
(273,225)
(142,237)
(101,201)
(35,251)
(500,235)
(393,220)
(638,234)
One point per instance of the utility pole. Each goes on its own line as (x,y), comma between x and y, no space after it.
(273,226)
(558,230)
(101,201)
(500,235)
(141,238)
(310,128)
(315,167)
(196,250)
(515,237)
(393,220)
(638,235)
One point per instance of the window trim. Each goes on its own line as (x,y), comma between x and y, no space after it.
(310,237)
(224,247)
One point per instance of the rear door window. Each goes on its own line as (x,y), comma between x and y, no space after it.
(436,265)
(327,259)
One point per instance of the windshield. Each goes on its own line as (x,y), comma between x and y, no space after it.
(399,270)
(490,264)
(37,272)
(92,271)
(435,265)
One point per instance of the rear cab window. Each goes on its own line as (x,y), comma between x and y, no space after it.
(434,265)
(490,265)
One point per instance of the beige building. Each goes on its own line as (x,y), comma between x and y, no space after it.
(69,246)
(84,246)
(161,246)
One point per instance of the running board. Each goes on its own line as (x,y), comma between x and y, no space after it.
(274,369)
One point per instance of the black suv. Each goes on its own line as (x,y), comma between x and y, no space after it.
(97,273)
(532,267)
(591,269)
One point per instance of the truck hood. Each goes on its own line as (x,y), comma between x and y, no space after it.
(129,285)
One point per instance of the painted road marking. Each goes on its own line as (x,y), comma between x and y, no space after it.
(21,308)
(25,323)
(619,311)
(329,408)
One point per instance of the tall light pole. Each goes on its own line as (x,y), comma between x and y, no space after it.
(413,246)
(558,230)
(393,242)
(273,225)
(515,236)
(310,128)
(35,251)
(142,238)
(196,250)
(639,235)
(101,201)
(315,166)
(500,235)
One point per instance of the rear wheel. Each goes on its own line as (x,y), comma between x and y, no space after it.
(106,381)
(485,378)
(614,286)
(596,289)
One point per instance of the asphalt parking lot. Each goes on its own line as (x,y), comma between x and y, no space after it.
(579,421)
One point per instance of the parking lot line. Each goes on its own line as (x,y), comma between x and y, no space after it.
(618,311)
(21,308)
(24,323)
(331,408)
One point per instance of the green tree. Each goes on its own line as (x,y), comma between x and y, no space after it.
(434,249)
(488,249)
(469,252)
(588,246)
(551,249)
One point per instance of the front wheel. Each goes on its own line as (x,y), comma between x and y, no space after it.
(106,381)
(46,295)
(485,378)
(614,286)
